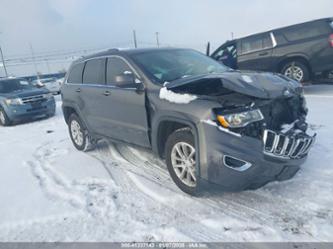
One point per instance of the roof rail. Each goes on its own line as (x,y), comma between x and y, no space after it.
(113,50)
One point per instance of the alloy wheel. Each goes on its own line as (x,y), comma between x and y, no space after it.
(77,133)
(294,72)
(183,163)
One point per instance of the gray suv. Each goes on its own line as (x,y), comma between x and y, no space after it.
(213,125)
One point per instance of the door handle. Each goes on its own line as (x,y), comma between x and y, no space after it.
(107,93)
(78,90)
(263,53)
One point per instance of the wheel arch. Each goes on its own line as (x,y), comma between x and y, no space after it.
(165,127)
(67,112)
(297,57)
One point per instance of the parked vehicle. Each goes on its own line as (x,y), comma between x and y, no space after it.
(52,84)
(211,124)
(20,101)
(301,51)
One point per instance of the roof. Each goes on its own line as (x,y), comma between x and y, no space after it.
(129,51)
(272,30)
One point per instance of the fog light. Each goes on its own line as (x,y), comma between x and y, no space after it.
(235,163)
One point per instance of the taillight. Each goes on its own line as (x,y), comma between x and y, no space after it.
(331,40)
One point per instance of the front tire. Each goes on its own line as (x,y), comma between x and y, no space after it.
(4,120)
(296,70)
(79,134)
(181,160)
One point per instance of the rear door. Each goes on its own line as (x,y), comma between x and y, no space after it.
(91,93)
(255,53)
(122,106)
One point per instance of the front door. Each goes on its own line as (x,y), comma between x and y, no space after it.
(122,106)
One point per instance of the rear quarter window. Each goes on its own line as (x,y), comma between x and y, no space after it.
(305,31)
(75,74)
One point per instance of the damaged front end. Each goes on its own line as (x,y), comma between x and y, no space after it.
(268,107)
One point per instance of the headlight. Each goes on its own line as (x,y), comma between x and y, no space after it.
(238,120)
(47,95)
(16,101)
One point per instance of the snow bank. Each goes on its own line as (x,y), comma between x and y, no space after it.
(176,97)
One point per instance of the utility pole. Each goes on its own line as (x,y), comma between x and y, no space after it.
(48,65)
(134,39)
(3,62)
(232,35)
(157,40)
(34,60)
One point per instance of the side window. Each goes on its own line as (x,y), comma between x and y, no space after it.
(118,73)
(256,43)
(94,72)
(75,75)
(226,52)
(280,39)
(267,42)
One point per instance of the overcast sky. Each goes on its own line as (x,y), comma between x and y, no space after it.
(58,25)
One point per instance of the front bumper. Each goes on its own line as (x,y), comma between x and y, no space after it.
(31,110)
(259,167)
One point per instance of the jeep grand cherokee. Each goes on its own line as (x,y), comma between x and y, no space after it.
(210,123)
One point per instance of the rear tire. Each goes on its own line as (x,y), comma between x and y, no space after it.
(296,70)
(79,134)
(4,120)
(180,159)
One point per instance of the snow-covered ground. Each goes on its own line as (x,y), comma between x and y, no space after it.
(51,192)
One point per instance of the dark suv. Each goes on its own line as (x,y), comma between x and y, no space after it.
(301,51)
(210,123)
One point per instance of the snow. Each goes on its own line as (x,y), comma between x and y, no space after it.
(176,97)
(247,78)
(52,192)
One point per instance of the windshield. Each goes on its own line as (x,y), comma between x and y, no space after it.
(8,86)
(170,65)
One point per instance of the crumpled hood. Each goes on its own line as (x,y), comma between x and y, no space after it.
(255,84)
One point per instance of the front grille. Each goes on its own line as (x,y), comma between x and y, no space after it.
(33,99)
(287,146)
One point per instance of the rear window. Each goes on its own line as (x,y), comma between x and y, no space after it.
(94,72)
(75,75)
(256,43)
(305,31)
(331,24)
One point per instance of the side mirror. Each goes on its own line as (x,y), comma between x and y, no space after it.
(125,79)
(128,80)
(140,87)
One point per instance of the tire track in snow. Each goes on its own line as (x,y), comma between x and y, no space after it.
(141,162)
(244,204)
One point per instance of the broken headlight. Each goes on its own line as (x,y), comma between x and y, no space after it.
(241,119)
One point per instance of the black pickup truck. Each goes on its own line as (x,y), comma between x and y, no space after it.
(212,124)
